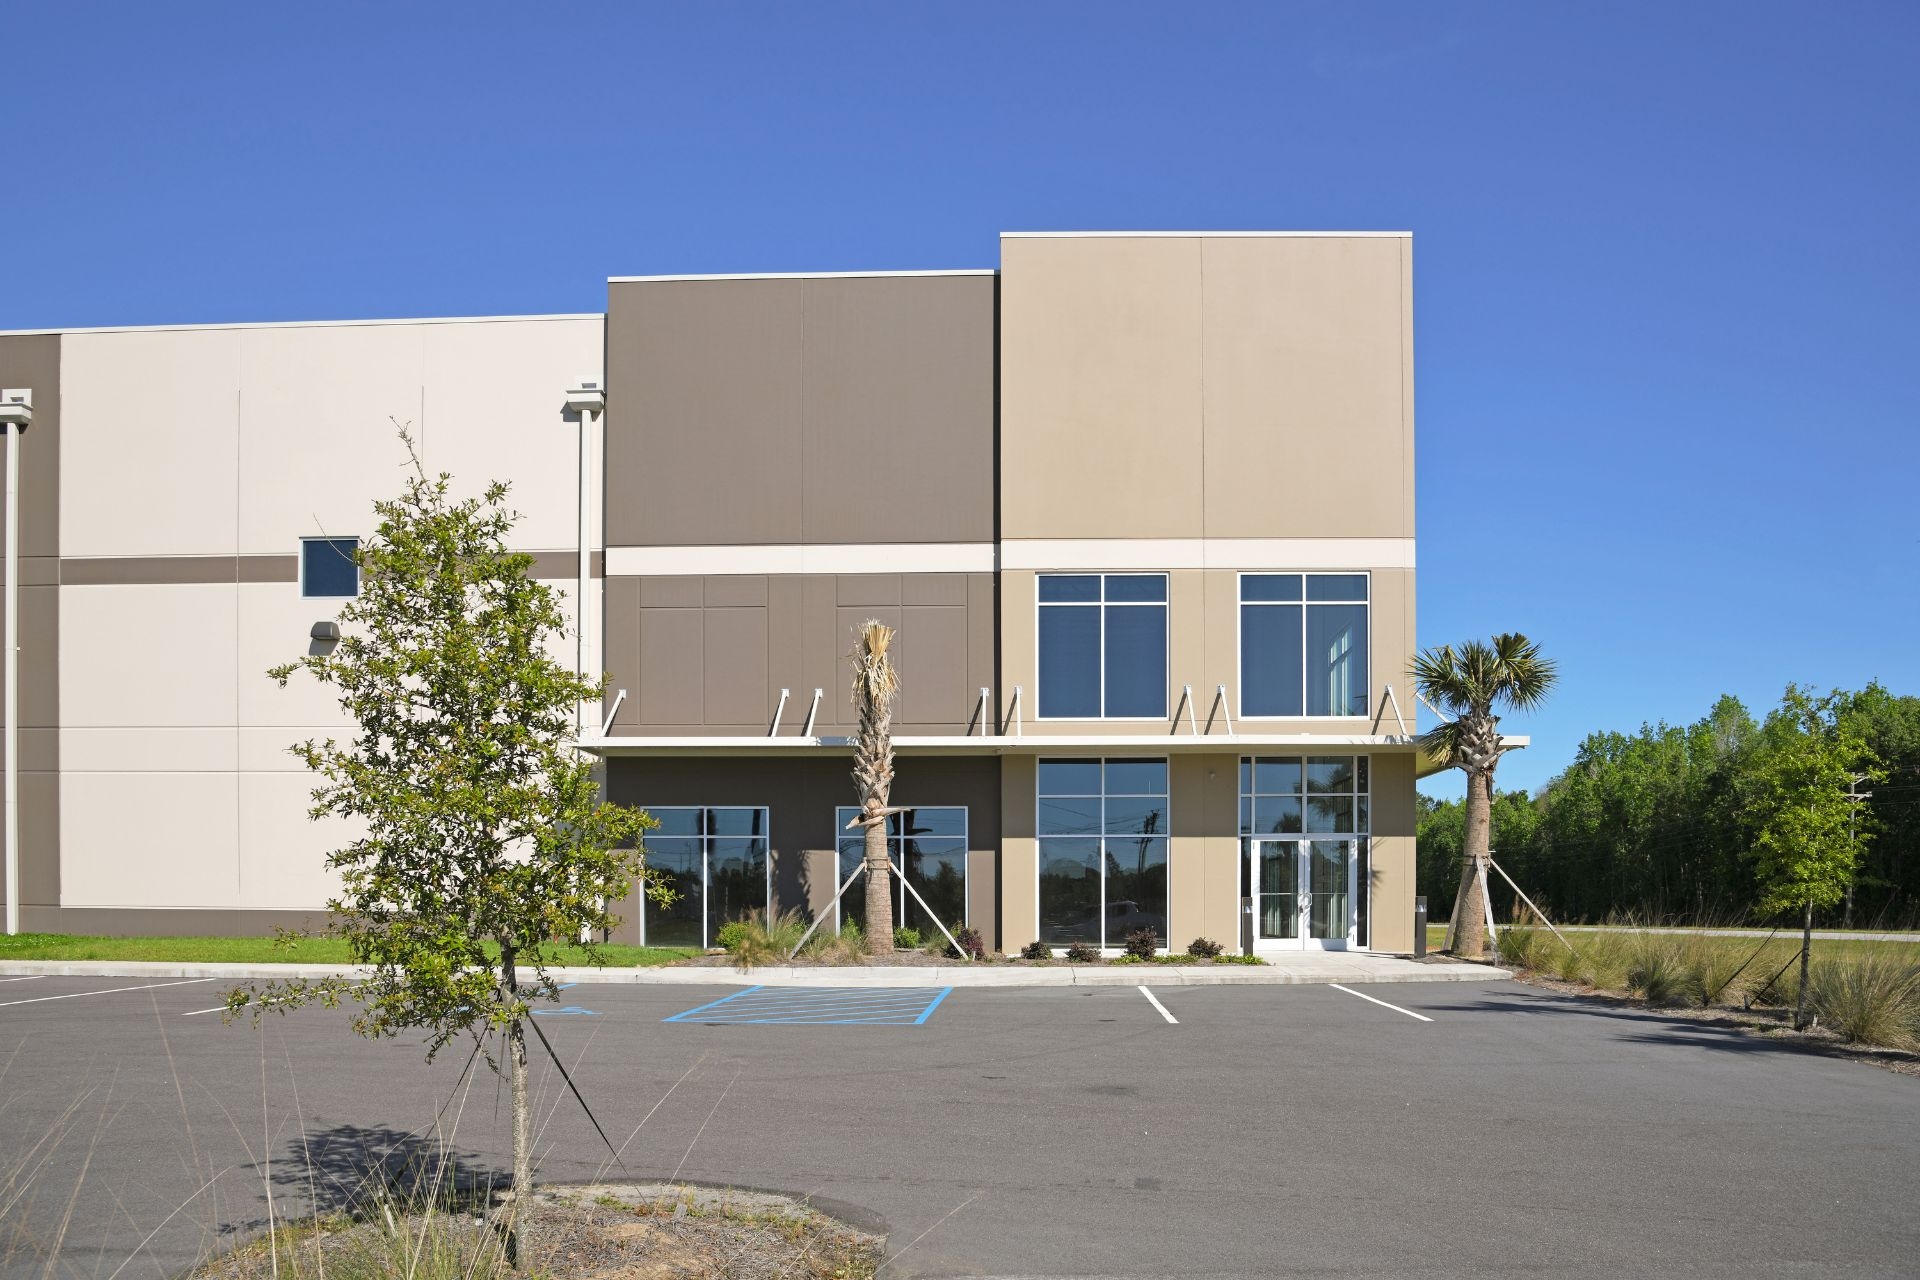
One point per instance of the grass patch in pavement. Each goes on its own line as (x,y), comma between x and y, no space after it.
(66,946)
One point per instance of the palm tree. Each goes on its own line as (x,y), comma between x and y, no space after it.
(875,686)
(1470,682)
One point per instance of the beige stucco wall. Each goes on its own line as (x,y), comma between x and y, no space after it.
(177,789)
(1206,387)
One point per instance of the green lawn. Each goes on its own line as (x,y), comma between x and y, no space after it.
(64,946)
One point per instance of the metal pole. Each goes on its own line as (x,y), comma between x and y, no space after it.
(12,692)
(580,598)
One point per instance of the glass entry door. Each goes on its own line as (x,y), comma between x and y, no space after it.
(1303,894)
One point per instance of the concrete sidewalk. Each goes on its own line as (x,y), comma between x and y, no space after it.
(1305,967)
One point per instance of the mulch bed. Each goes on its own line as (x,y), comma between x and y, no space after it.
(600,1232)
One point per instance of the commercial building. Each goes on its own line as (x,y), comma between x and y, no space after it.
(1139,505)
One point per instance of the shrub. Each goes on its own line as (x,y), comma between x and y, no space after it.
(1204,948)
(1872,1000)
(753,941)
(1081,953)
(1036,951)
(1142,943)
(907,939)
(971,943)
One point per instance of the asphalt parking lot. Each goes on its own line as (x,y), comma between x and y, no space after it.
(1456,1128)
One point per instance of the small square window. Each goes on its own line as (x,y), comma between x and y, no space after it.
(328,568)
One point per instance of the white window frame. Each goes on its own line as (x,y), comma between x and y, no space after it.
(301,575)
(896,858)
(1240,603)
(1166,643)
(706,850)
(1100,838)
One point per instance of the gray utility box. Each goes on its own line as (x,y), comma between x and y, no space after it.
(1419,926)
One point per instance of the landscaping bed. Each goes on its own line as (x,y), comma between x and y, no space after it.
(1862,1004)
(599,1232)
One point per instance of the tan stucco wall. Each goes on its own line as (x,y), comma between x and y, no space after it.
(1392,852)
(1206,387)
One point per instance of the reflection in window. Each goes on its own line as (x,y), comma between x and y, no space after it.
(1103,645)
(716,860)
(1103,843)
(1303,644)
(928,849)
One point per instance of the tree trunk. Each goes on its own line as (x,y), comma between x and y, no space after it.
(522,1116)
(879,891)
(1806,950)
(1470,939)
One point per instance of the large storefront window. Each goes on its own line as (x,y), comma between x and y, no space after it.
(1304,850)
(1303,644)
(1103,850)
(716,860)
(928,848)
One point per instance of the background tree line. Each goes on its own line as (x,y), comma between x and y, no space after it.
(1661,823)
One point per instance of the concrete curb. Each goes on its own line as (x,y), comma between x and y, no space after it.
(1291,971)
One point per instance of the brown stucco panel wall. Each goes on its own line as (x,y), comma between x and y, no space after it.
(768,404)
(34,361)
(710,655)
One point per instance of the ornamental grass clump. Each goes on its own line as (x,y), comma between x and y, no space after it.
(1656,968)
(1874,999)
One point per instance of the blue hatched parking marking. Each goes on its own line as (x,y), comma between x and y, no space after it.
(820,1006)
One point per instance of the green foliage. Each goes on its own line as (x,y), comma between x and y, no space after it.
(1661,823)
(1656,969)
(480,823)
(730,935)
(1142,943)
(1806,851)
(1036,951)
(1204,948)
(1082,953)
(906,938)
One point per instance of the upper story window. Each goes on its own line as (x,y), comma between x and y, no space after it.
(1103,645)
(328,568)
(1303,644)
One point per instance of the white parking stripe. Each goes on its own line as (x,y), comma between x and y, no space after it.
(219,1008)
(32,977)
(1162,1008)
(75,995)
(1382,1003)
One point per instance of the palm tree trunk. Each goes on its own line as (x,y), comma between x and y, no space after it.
(879,890)
(1470,939)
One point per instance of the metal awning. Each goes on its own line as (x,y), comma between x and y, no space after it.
(1012,744)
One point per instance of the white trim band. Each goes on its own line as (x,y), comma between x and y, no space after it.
(1207,553)
(877,557)
(1205,235)
(805,275)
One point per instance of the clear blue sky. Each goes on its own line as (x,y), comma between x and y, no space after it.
(1666,258)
